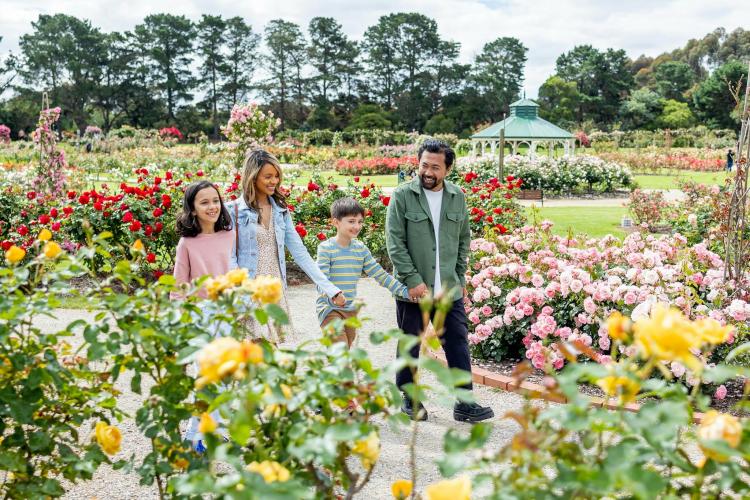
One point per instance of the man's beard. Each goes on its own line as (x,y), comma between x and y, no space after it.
(428,182)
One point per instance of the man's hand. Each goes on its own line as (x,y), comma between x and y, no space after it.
(418,291)
(339,300)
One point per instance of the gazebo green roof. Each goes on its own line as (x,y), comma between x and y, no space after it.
(524,123)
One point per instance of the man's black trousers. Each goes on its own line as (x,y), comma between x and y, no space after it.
(454,338)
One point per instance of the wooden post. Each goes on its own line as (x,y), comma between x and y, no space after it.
(501,158)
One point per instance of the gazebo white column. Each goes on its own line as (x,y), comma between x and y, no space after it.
(550,148)
(474,148)
(566,148)
(493,146)
(532,149)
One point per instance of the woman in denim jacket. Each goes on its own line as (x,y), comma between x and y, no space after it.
(265,229)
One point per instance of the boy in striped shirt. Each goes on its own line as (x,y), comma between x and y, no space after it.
(342,260)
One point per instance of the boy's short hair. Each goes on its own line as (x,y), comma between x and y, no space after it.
(345,207)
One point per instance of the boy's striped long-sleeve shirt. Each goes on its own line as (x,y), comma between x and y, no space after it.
(344,266)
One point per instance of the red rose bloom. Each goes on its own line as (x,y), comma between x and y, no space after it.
(68,210)
(386,200)
(127,217)
(321,236)
(135,226)
(7,244)
(365,193)
(55,226)
(31,195)
(44,219)
(158,226)
(158,212)
(71,195)
(158,274)
(151,258)
(199,173)
(311,186)
(300,230)
(157,180)
(84,199)
(23,230)
(356,178)
(98,206)
(149,230)
(53,212)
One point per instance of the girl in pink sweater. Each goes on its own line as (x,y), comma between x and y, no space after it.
(204,248)
(206,234)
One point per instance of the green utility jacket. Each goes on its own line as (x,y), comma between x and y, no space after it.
(410,237)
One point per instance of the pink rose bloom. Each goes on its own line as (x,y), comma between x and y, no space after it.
(527,310)
(547,310)
(721,392)
(586,339)
(474,317)
(678,369)
(558,363)
(604,359)
(486,310)
(563,332)
(630,298)
(538,361)
(604,343)
(589,306)
(518,313)
(537,280)
(576,286)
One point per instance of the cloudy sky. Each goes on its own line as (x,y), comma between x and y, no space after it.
(547,27)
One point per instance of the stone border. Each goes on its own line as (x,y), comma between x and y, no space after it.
(499,381)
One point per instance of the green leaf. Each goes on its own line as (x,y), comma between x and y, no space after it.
(167,279)
(135,383)
(722,373)
(737,351)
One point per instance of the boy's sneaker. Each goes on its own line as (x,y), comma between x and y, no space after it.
(199,447)
(408,408)
(471,412)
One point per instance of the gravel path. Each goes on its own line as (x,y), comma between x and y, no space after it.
(394,460)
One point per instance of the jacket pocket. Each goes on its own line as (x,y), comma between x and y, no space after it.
(417,224)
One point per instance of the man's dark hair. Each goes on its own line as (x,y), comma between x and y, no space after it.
(438,146)
(346,207)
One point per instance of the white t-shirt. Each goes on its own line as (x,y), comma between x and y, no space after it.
(435,201)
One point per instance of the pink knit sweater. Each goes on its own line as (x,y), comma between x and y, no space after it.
(203,254)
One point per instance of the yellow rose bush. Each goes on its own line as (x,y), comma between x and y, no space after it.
(591,448)
(49,395)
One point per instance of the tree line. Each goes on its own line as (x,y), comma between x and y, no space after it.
(402,74)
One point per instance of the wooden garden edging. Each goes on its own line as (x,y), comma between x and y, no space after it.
(499,381)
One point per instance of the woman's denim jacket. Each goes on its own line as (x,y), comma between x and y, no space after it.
(286,237)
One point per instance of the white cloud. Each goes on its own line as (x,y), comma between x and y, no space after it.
(547,27)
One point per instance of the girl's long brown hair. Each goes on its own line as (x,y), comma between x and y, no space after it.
(254,162)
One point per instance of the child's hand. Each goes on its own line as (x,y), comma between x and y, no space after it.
(339,299)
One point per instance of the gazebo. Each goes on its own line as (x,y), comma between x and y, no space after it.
(524,126)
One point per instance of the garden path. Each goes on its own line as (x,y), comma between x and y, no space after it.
(379,313)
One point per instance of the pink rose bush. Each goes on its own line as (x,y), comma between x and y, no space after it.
(529,289)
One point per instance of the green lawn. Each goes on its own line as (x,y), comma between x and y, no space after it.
(670,181)
(593,221)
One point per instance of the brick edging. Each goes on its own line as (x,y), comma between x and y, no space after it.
(499,381)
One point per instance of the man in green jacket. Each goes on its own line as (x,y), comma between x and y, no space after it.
(428,235)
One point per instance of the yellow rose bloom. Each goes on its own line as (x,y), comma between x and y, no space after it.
(223,357)
(108,437)
(236,276)
(45,235)
(711,331)
(624,387)
(51,249)
(265,289)
(15,254)
(181,463)
(451,489)
(138,246)
(401,489)
(207,424)
(668,336)
(270,471)
(721,427)
(368,450)
(618,326)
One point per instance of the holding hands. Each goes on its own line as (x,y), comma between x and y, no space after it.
(418,292)
(339,300)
